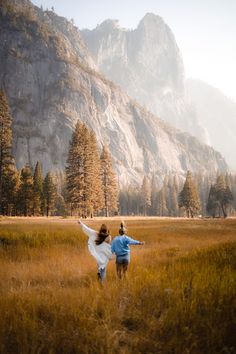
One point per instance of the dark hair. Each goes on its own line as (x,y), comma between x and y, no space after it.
(122,229)
(102,234)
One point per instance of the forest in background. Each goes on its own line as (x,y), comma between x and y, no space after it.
(89,186)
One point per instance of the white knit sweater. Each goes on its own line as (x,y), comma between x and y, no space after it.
(102,253)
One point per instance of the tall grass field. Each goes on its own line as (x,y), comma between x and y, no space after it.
(179,295)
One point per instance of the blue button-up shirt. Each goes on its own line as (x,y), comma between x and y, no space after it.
(120,245)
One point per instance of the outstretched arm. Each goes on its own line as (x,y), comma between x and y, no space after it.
(131,241)
(87,230)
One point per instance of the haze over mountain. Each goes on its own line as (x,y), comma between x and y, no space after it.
(51,82)
(217,113)
(147,63)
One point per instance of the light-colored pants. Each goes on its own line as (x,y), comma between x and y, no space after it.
(101,274)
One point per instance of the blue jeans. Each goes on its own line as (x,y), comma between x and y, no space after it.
(101,274)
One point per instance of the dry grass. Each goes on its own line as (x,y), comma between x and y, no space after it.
(180,295)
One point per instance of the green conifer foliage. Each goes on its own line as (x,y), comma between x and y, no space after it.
(49,193)
(220,197)
(109,183)
(97,197)
(189,198)
(212,203)
(25,200)
(145,195)
(75,171)
(83,173)
(38,190)
(8,172)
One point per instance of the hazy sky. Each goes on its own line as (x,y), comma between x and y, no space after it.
(205,30)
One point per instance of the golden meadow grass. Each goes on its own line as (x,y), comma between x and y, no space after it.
(180,295)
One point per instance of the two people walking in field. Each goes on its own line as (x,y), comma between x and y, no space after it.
(102,248)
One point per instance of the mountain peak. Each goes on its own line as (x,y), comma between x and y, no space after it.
(109,24)
(151,19)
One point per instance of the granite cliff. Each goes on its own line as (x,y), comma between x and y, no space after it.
(52,81)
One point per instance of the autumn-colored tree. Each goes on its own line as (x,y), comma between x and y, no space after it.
(109,183)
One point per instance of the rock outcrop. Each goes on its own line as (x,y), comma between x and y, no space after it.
(51,82)
(146,62)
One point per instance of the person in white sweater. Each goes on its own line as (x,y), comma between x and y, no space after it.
(99,245)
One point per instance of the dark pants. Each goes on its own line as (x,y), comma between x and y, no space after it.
(122,263)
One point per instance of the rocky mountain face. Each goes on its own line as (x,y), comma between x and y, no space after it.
(217,113)
(146,62)
(51,82)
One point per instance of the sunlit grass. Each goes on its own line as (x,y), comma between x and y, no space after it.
(180,295)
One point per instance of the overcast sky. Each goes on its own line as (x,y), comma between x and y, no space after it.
(205,30)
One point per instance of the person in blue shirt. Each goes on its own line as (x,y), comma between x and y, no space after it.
(120,246)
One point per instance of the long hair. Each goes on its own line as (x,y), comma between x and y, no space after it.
(102,234)
(122,229)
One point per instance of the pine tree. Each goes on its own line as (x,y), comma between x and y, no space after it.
(83,173)
(10,181)
(174,197)
(188,197)
(223,195)
(38,190)
(212,202)
(162,198)
(154,192)
(109,182)
(75,170)
(8,172)
(161,202)
(96,190)
(25,201)
(145,195)
(49,193)
(60,205)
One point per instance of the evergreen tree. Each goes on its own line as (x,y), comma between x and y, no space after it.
(188,197)
(10,181)
(212,202)
(49,193)
(83,173)
(38,190)
(223,195)
(109,182)
(145,195)
(162,209)
(60,205)
(8,172)
(25,200)
(75,171)
(154,192)
(161,202)
(173,195)
(96,190)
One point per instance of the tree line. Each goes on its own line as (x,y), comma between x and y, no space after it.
(89,187)
(198,195)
